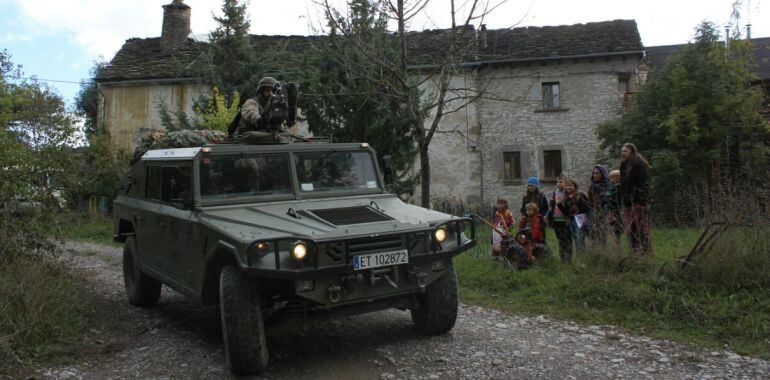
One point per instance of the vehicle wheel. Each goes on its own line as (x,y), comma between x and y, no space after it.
(142,290)
(243,329)
(437,310)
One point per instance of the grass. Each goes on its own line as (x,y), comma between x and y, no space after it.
(45,312)
(722,301)
(83,227)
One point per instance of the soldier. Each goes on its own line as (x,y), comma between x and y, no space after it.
(252,111)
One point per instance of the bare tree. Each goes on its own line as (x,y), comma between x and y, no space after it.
(424,109)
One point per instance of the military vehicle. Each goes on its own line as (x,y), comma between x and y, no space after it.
(283,236)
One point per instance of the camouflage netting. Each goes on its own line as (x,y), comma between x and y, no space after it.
(177,139)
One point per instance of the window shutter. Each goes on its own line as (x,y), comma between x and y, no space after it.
(537,91)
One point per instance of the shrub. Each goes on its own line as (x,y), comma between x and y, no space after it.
(44,310)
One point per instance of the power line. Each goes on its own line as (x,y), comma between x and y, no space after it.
(45,80)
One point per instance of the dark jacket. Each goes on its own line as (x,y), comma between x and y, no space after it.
(634,183)
(575,205)
(599,192)
(537,198)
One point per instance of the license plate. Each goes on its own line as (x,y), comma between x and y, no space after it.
(381,259)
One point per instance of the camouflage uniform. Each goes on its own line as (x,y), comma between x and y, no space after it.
(251,116)
(253,109)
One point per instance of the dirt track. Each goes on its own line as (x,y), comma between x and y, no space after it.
(180,339)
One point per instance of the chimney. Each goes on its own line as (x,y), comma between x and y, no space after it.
(483,35)
(748,31)
(176,26)
(727,37)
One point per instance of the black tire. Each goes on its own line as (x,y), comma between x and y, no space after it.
(243,329)
(141,289)
(436,311)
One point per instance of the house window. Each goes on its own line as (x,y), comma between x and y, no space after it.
(623,83)
(511,166)
(551,164)
(551,96)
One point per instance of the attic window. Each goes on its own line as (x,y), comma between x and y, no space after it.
(551,96)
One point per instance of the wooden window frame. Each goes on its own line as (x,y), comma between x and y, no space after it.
(544,174)
(516,166)
(551,100)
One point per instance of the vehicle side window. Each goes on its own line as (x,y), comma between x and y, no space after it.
(176,182)
(152,183)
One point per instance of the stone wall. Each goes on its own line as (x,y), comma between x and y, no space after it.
(176,25)
(589,95)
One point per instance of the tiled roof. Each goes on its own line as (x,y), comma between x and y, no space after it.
(657,55)
(617,36)
(143,58)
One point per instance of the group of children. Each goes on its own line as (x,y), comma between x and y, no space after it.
(574,216)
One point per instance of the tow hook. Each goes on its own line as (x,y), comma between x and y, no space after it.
(420,278)
(334,293)
(384,274)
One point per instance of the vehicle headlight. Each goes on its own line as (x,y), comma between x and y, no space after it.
(440,235)
(299,250)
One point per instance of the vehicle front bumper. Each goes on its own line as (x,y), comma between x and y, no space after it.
(338,269)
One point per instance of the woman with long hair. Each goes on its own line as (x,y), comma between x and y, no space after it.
(634,197)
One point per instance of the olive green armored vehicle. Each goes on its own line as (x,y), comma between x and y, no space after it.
(283,236)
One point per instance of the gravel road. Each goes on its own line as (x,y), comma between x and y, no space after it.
(180,339)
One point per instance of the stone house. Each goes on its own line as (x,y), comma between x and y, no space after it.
(543,92)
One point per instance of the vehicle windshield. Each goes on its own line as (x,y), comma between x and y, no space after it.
(243,175)
(335,171)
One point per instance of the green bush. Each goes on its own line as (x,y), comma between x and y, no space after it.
(44,311)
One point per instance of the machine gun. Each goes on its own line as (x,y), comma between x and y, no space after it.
(281,108)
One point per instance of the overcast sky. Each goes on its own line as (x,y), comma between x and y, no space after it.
(60,40)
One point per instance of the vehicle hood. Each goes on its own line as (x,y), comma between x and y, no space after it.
(250,222)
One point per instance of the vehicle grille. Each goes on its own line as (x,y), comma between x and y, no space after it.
(375,244)
(337,250)
(351,215)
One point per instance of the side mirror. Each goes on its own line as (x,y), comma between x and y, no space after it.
(387,169)
(127,183)
(184,202)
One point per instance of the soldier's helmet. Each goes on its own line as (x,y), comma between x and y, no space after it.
(266,82)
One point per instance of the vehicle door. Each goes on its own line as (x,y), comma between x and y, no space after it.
(146,216)
(179,238)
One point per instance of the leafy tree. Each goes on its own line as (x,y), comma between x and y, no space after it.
(87,100)
(217,114)
(100,167)
(698,121)
(36,135)
(357,104)
(210,112)
(231,63)
(421,98)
